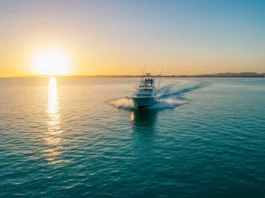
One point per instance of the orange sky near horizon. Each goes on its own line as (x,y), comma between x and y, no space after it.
(90,59)
(106,60)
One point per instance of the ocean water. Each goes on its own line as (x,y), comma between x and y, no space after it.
(82,137)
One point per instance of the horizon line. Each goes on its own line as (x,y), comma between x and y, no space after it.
(224,74)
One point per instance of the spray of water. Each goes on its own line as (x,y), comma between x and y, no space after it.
(169,97)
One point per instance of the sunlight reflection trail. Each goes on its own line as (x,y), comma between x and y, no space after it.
(53,107)
(53,135)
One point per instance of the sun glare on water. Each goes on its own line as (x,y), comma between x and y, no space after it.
(51,62)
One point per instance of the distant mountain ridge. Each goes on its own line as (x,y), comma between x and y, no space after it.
(229,74)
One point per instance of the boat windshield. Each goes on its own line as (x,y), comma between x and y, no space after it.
(146,88)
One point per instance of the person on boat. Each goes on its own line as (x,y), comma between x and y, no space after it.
(151,81)
(145,80)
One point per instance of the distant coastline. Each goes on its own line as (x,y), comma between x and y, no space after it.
(228,74)
(242,74)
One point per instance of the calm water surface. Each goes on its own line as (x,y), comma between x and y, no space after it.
(83,138)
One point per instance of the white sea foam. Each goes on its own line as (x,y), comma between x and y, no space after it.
(127,103)
(168,103)
(169,97)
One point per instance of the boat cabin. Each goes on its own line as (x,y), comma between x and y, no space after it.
(145,94)
(147,83)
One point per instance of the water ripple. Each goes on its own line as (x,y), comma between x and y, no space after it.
(64,140)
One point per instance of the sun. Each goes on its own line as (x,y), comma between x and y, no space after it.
(50,61)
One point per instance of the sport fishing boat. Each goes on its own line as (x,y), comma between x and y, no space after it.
(146,93)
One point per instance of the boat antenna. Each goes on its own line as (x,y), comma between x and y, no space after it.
(160,77)
(144,70)
(143,74)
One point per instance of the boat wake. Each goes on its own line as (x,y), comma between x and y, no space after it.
(127,103)
(171,90)
(170,96)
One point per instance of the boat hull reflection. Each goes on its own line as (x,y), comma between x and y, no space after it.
(146,118)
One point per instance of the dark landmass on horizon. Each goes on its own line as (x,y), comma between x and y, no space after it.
(242,74)
(228,74)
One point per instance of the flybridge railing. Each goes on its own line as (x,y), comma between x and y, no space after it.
(143,84)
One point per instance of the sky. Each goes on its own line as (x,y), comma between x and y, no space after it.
(118,37)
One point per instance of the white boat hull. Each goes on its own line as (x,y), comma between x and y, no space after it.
(141,102)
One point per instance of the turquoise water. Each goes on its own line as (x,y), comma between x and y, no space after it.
(83,138)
